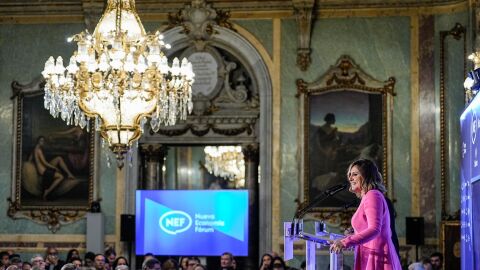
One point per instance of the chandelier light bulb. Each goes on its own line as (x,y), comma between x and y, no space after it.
(119,76)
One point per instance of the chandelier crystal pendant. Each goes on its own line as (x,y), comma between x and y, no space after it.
(119,76)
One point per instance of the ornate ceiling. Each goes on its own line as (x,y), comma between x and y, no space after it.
(72,8)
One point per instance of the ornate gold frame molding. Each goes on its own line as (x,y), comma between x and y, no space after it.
(344,75)
(457,32)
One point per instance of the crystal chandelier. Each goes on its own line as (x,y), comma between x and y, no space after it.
(226,162)
(119,76)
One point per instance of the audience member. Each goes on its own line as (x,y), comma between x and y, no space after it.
(52,262)
(266,262)
(110,256)
(170,264)
(192,262)
(89,259)
(423,265)
(200,267)
(38,262)
(69,266)
(436,259)
(26,266)
(226,261)
(99,262)
(151,264)
(4,260)
(72,254)
(119,261)
(77,262)
(183,263)
(15,260)
(278,264)
(121,267)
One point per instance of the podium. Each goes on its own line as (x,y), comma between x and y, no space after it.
(293,231)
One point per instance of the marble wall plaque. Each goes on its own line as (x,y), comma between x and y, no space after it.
(205,68)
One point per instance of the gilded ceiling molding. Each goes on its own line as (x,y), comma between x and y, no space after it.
(74,11)
(303,10)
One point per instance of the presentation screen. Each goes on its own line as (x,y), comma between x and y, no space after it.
(192,222)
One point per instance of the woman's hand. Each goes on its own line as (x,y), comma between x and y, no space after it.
(336,246)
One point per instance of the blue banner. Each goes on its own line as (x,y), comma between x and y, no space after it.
(192,222)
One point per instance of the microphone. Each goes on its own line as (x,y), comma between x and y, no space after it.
(335,189)
(324,195)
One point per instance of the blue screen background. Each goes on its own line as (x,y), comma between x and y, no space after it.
(224,214)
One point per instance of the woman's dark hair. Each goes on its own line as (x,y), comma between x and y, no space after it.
(282,263)
(372,178)
(115,263)
(70,255)
(261,260)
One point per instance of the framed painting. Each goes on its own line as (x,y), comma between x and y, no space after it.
(53,179)
(345,117)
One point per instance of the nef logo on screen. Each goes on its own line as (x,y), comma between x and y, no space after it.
(173,222)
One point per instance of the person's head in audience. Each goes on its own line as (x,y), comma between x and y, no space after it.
(77,262)
(15,260)
(192,262)
(38,261)
(200,267)
(89,259)
(110,255)
(170,264)
(99,262)
(151,264)
(51,256)
(226,260)
(266,261)
(69,266)
(4,259)
(148,256)
(234,264)
(183,263)
(13,267)
(436,259)
(119,261)
(426,264)
(26,266)
(278,264)
(72,254)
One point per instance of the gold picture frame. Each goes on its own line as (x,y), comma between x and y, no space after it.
(345,114)
(63,190)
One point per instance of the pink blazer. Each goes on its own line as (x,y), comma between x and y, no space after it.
(374,249)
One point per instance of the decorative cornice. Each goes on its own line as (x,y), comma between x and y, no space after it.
(303,10)
(11,11)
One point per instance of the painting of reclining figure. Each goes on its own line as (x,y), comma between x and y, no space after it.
(55,164)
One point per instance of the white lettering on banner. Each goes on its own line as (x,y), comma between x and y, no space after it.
(173,222)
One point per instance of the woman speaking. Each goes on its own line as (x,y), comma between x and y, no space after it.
(374,249)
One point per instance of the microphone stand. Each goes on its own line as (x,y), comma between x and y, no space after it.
(320,198)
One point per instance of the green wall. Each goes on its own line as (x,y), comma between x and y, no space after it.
(23,52)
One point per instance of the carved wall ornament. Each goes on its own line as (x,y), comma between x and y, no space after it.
(198,20)
(303,10)
(335,132)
